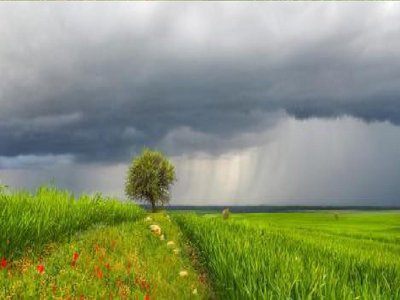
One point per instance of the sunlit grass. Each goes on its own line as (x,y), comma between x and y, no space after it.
(259,257)
(33,220)
(125,261)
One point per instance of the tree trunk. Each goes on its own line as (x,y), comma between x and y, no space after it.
(153,206)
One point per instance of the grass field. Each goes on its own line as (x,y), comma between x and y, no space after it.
(56,246)
(349,255)
(32,220)
(124,261)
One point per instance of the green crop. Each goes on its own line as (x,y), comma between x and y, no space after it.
(262,260)
(32,220)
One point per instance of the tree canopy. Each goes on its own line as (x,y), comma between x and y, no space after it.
(149,178)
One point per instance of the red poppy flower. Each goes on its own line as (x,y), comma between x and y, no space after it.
(147,297)
(144,284)
(4,263)
(76,255)
(73,263)
(99,273)
(40,269)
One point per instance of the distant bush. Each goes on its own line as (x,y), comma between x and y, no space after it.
(32,220)
(226,213)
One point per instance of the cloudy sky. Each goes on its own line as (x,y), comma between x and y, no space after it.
(255,103)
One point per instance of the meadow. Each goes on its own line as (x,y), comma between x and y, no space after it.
(31,220)
(57,246)
(328,255)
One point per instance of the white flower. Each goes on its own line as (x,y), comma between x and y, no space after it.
(183,273)
(155,229)
(194,292)
(171,244)
(162,237)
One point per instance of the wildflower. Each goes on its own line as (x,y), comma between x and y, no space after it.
(171,244)
(148,219)
(76,256)
(4,263)
(162,237)
(177,251)
(136,280)
(40,269)
(143,284)
(73,264)
(147,297)
(183,273)
(194,292)
(155,229)
(99,273)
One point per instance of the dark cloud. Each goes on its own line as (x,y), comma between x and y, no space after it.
(99,81)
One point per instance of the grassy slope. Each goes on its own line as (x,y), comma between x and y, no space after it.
(113,261)
(300,255)
(32,220)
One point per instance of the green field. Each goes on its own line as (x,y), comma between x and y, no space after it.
(57,246)
(347,255)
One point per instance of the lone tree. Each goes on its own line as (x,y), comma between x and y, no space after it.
(149,177)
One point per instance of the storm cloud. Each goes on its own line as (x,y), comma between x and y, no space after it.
(93,83)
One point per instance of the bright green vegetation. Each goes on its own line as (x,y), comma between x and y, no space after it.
(124,261)
(149,178)
(53,245)
(379,226)
(33,220)
(299,255)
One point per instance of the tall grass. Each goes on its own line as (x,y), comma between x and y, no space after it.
(31,220)
(262,262)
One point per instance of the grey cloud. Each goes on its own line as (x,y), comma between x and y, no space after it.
(99,81)
(341,161)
